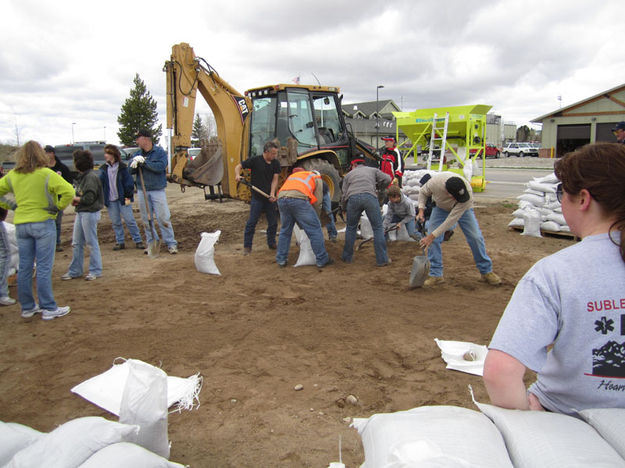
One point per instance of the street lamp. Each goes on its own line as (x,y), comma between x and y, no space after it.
(73,141)
(105,134)
(377,116)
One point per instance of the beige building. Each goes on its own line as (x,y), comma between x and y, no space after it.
(586,121)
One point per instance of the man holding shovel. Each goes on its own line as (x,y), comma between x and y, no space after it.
(265,174)
(150,167)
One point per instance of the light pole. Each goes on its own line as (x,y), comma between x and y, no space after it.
(105,134)
(377,116)
(73,141)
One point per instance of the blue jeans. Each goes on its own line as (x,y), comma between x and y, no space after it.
(411,226)
(36,241)
(356,204)
(157,201)
(326,206)
(86,232)
(257,207)
(5,261)
(59,220)
(471,230)
(300,211)
(117,211)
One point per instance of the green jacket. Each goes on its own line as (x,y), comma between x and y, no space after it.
(39,195)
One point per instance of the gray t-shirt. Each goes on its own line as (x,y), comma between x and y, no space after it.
(575,301)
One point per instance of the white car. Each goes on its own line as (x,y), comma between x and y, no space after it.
(519,149)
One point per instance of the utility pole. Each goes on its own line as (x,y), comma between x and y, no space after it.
(377,116)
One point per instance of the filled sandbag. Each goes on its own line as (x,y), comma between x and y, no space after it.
(13,438)
(441,436)
(205,253)
(536,439)
(126,455)
(610,423)
(531,225)
(72,443)
(306,254)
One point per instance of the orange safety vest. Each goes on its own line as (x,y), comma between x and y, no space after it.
(302,181)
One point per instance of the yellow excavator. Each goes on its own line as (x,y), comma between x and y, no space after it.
(306,121)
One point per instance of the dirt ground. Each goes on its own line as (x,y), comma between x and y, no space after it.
(257,331)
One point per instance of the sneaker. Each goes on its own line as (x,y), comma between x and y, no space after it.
(282,265)
(433,281)
(67,277)
(173,250)
(59,248)
(7,301)
(492,278)
(52,314)
(140,245)
(247,250)
(90,277)
(119,246)
(329,262)
(31,313)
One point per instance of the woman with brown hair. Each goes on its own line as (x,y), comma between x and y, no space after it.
(566,318)
(40,194)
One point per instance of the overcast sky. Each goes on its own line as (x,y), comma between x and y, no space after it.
(70,64)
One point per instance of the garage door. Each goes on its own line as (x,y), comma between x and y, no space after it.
(571,137)
(604,132)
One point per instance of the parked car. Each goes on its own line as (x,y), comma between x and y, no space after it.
(193,152)
(492,151)
(66,153)
(127,152)
(519,149)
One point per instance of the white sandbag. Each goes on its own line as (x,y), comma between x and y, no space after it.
(548,179)
(205,252)
(517,222)
(13,438)
(106,389)
(463,356)
(610,423)
(550,198)
(519,213)
(144,403)
(414,197)
(431,436)
(533,199)
(531,225)
(14,258)
(534,192)
(541,187)
(366,231)
(550,226)
(556,218)
(126,455)
(539,438)
(72,443)
(306,254)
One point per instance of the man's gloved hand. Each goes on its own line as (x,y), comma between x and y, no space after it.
(136,161)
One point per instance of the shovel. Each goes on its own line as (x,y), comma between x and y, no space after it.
(253,187)
(420,264)
(394,227)
(154,247)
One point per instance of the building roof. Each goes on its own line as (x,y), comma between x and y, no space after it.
(604,94)
(369,108)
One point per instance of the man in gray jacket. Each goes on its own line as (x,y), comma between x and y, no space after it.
(454,204)
(360,194)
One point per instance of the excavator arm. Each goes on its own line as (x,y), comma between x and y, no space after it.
(186,74)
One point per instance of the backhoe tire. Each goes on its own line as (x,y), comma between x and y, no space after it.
(329,174)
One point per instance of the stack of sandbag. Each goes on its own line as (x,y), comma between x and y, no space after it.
(83,442)
(539,208)
(411,185)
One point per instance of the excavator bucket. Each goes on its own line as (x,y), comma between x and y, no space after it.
(207,168)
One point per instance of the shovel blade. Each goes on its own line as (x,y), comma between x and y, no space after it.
(154,248)
(419,272)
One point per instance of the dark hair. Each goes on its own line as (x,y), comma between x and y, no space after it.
(394,191)
(49,149)
(83,160)
(270,145)
(114,151)
(600,169)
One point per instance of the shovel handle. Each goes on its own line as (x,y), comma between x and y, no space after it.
(253,187)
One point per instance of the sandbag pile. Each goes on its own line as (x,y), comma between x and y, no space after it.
(539,208)
(411,185)
(92,442)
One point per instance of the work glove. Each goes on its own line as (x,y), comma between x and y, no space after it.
(136,161)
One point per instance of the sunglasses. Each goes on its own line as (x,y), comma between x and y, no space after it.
(559,192)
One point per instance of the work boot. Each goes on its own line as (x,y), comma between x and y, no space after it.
(119,246)
(492,278)
(433,281)
(329,262)
(140,245)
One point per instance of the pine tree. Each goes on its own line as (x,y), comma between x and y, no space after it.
(137,112)
(198,132)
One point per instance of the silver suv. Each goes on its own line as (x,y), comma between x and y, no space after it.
(519,149)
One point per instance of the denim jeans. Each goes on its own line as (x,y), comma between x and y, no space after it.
(86,232)
(356,204)
(117,211)
(326,206)
(257,207)
(5,261)
(411,226)
(157,201)
(300,211)
(36,241)
(59,220)
(471,230)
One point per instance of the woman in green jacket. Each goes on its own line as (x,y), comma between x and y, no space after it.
(40,194)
